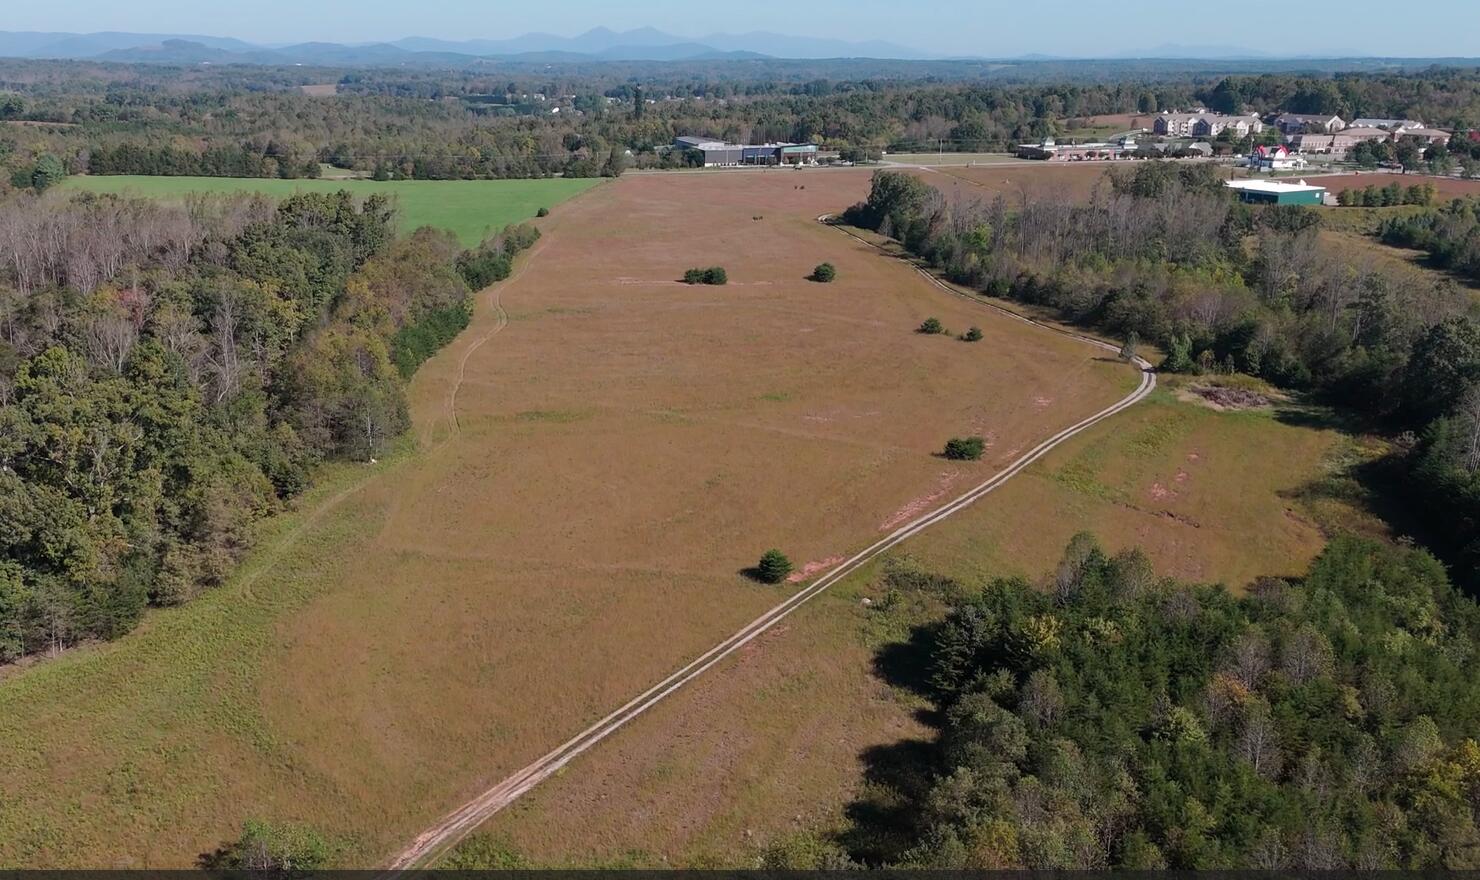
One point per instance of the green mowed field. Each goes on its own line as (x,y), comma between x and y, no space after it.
(471,209)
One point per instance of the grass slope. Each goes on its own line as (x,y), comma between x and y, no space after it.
(622,449)
(782,739)
(470,208)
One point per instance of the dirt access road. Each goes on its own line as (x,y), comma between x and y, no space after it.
(460,822)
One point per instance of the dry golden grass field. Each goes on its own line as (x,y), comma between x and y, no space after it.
(598,457)
(1017,183)
(778,742)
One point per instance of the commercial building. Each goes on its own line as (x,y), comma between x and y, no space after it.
(718,154)
(1276,192)
(1050,151)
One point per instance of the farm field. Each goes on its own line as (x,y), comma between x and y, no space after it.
(587,485)
(471,209)
(946,159)
(1209,494)
(1076,181)
(1445,187)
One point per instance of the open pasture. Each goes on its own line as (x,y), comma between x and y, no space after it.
(781,740)
(1022,181)
(599,456)
(471,209)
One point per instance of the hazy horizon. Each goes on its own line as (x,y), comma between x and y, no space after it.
(938,27)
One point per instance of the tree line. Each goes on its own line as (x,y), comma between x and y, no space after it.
(447,124)
(169,374)
(1108,717)
(1166,253)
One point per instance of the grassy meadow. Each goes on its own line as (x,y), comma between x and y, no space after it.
(471,209)
(586,490)
(781,740)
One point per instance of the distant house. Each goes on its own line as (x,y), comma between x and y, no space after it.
(1276,158)
(1307,123)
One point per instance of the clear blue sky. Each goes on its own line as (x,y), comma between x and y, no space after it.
(978,27)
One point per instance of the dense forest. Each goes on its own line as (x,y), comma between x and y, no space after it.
(1111,718)
(501,122)
(169,374)
(1167,254)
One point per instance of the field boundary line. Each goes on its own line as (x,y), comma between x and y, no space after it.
(461,821)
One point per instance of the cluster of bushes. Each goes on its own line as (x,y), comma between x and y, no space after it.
(1118,719)
(47,171)
(965,448)
(493,259)
(156,404)
(1166,255)
(1450,234)
(1373,196)
(711,275)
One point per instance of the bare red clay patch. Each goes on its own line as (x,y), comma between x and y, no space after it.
(921,504)
(812,568)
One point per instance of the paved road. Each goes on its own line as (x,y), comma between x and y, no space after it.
(457,824)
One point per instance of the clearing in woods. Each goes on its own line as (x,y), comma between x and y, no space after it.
(471,209)
(622,449)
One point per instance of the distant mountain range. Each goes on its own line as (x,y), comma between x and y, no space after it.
(597,44)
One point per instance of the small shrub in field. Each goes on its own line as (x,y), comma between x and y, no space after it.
(543,212)
(825,272)
(965,448)
(931,327)
(270,847)
(773,567)
(1128,351)
(973,334)
(711,275)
